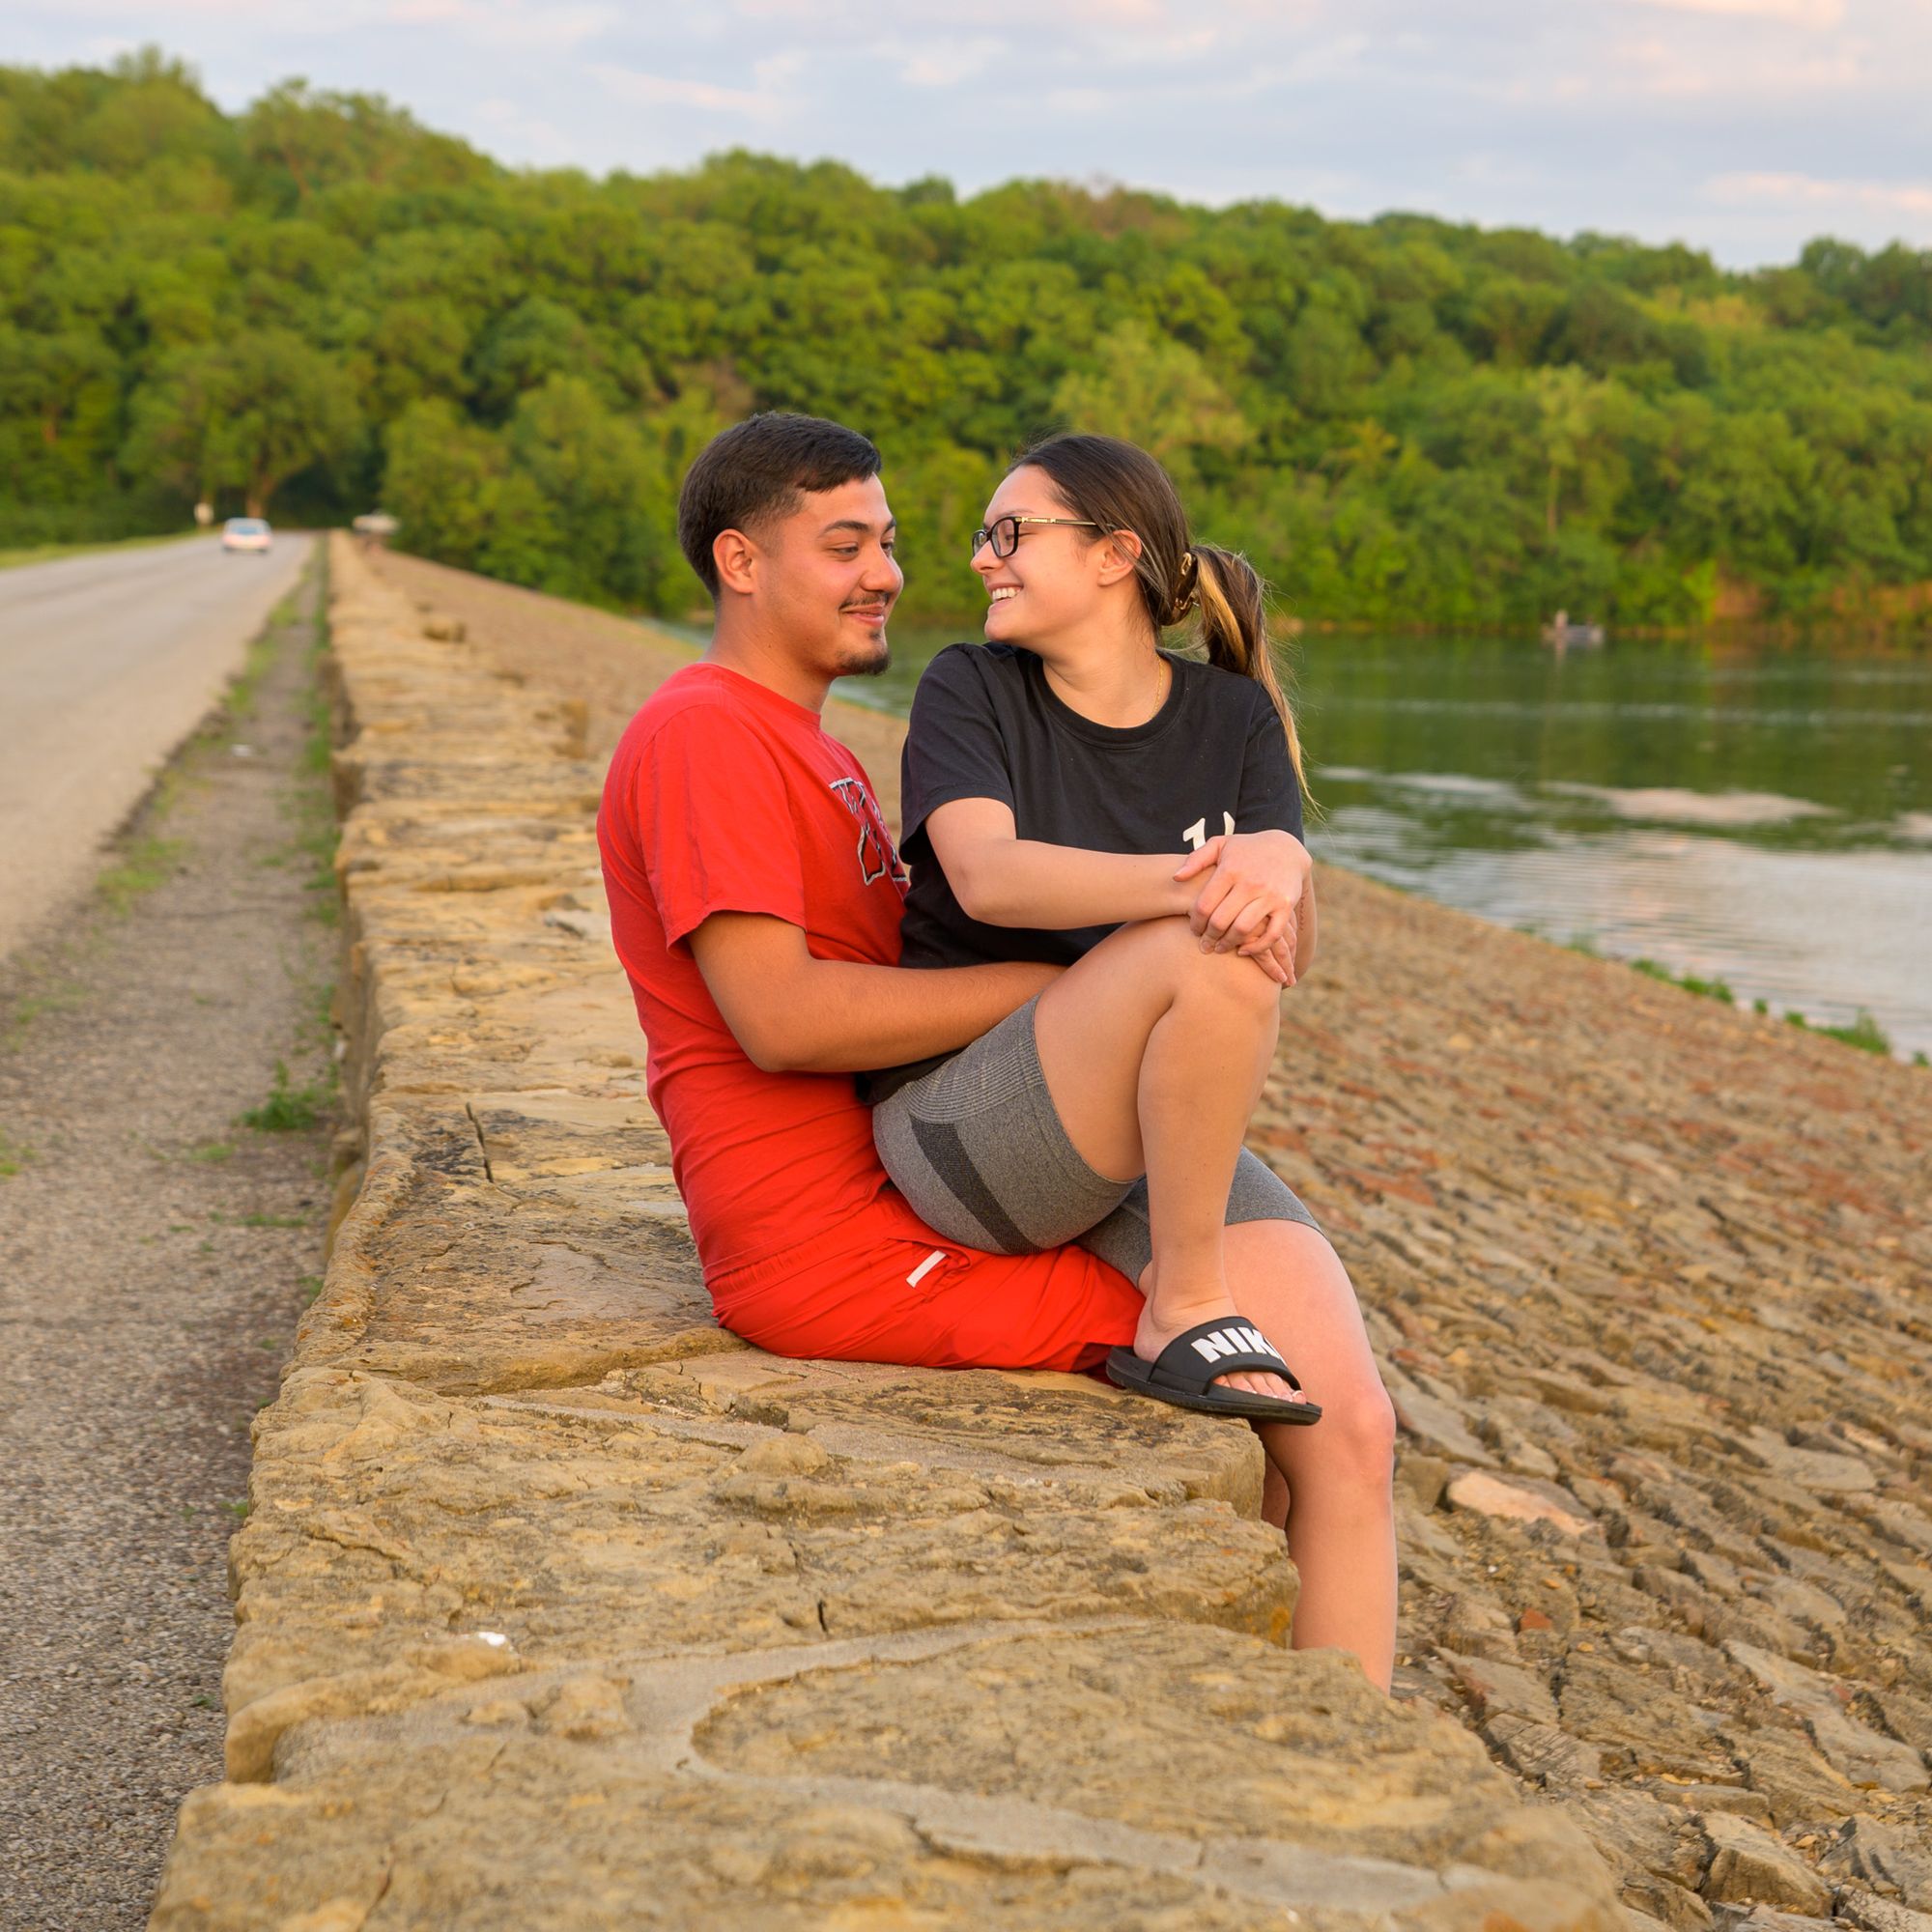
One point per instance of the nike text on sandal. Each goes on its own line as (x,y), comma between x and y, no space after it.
(1185,1370)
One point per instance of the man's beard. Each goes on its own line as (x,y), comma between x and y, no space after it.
(868,663)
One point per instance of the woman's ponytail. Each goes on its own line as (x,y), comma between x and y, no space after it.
(1234,630)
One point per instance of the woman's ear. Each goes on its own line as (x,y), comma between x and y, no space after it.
(1120,556)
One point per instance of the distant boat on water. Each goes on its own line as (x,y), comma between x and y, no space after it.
(1565,634)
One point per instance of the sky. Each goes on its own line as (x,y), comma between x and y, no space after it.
(1742,127)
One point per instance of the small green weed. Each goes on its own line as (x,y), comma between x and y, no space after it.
(55,996)
(237,1510)
(1687,982)
(13,1156)
(146,861)
(310,1286)
(214,1152)
(239,700)
(1707,990)
(1864,1032)
(288,1110)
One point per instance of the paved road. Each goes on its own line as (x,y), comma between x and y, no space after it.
(107,661)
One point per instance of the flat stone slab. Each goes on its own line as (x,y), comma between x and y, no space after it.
(890,1783)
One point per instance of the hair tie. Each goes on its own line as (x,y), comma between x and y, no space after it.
(1186,585)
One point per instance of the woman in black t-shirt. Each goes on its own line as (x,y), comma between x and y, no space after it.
(1075,794)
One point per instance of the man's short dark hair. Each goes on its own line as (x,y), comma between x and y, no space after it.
(757,472)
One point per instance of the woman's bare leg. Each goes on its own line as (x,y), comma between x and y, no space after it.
(1154,1054)
(1288,1281)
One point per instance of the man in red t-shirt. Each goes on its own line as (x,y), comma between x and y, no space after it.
(754,901)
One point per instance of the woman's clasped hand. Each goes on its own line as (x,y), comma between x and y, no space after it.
(1254,886)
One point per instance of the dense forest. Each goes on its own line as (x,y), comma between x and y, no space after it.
(318,305)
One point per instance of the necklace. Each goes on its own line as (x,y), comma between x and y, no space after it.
(1166,686)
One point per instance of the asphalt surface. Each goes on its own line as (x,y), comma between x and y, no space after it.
(107,661)
(156,1250)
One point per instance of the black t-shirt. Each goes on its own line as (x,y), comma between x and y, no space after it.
(985,724)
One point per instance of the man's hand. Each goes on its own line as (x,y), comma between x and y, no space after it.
(1251,902)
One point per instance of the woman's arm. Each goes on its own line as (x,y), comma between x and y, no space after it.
(1002,879)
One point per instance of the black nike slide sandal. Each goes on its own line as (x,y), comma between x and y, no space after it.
(1185,1370)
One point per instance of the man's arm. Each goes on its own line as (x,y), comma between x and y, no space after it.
(793,1013)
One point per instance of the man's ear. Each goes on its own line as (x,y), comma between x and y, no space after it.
(1118,555)
(736,558)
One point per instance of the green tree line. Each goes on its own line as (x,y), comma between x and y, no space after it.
(318,305)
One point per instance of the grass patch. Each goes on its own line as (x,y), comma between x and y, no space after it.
(288,1110)
(244,688)
(146,861)
(13,1156)
(1864,1032)
(1685,983)
(211,1153)
(54,996)
(12,559)
(317,833)
(310,1286)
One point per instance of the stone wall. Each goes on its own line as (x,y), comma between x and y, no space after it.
(559,1608)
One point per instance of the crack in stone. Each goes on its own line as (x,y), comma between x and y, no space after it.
(482,1145)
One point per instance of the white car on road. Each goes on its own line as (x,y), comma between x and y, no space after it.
(246,533)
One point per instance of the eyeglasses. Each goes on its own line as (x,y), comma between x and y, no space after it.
(1004,533)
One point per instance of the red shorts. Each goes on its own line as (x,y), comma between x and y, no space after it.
(885,1289)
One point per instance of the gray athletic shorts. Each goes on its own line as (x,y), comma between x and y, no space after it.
(977,1150)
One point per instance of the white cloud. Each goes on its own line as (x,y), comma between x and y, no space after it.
(948,63)
(658,89)
(510,24)
(1809,192)
(1671,69)
(1816,14)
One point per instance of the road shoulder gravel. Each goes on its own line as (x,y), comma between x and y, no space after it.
(155,1249)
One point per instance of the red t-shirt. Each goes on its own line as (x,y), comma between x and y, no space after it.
(724,797)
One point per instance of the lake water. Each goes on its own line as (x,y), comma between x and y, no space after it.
(1761,816)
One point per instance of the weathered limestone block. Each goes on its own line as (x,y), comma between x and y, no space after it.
(1070,1779)
(381,1511)
(1749,1867)
(1859,1753)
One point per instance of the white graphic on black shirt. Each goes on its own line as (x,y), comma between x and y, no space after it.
(878,857)
(1196,834)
